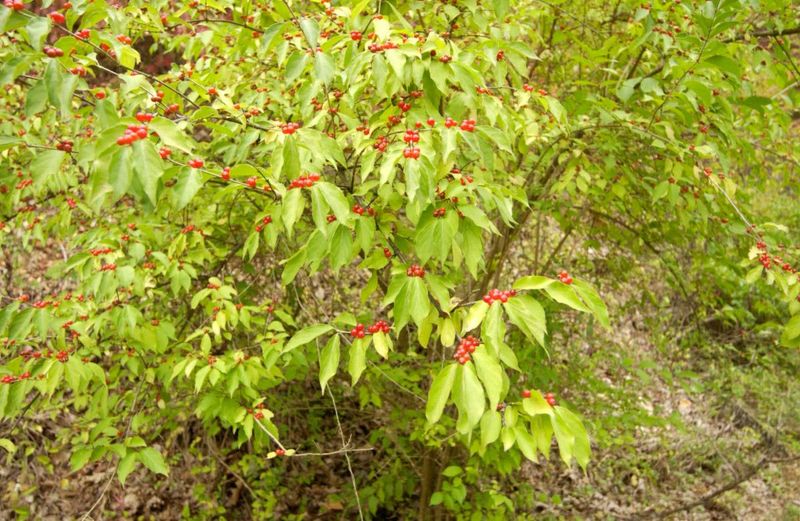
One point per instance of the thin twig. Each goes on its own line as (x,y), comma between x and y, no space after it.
(346,455)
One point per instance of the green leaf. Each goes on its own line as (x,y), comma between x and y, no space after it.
(542,433)
(491,423)
(468,396)
(592,299)
(493,329)
(571,427)
(336,200)
(153,460)
(148,166)
(792,329)
(328,361)
(8,445)
(127,465)
(528,315)
(324,67)
(311,31)
(46,165)
(36,99)
(500,8)
(295,66)
(189,183)
(490,373)
(536,405)
(80,458)
(382,344)
(434,237)
(417,299)
(341,247)
(171,134)
(475,316)
(358,359)
(441,386)
(292,266)
(293,205)
(533,282)
(119,172)
(290,166)
(525,442)
(306,335)
(36,31)
(564,294)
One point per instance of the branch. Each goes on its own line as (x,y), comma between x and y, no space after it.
(763,33)
(346,455)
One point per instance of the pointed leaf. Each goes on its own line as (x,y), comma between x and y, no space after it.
(439,392)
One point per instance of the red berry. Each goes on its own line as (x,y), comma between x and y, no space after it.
(57,17)
(196,163)
(526,393)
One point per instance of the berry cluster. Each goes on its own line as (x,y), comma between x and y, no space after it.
(53,52)
(358,209)
(381,326)
(465,348)
(466,180)
(65,145)
(16,5)
(402,105)
(411,152)
(265,221)
(387,253)
(226,174)
(445,58)
(164,152)
(550,398)
(564,277)
(108,267)
(355,36)
(172,109)
(290,128)
(415,270)
(468,125)
(251,181)
(10,379)
(100,251)
(158,97)
(380,144)
(450,122)
(144,117)
(411,136)
(379,47)
(124,39)
(439,212)
(495,295)
(304,181)
(196,163)
(132,133)
(358,331)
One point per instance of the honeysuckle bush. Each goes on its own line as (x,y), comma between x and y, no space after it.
(246,198)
